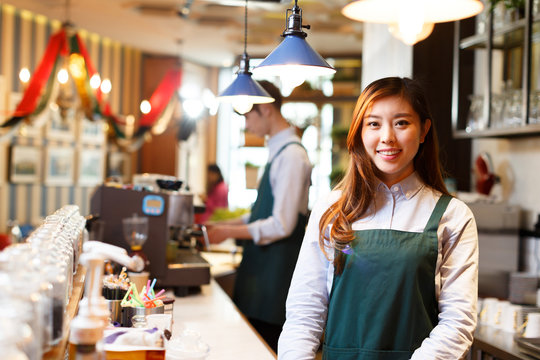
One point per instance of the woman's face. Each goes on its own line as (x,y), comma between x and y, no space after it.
(392,133)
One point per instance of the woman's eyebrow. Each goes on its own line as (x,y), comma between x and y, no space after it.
(395,115)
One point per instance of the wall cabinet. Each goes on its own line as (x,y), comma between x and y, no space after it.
(496,74)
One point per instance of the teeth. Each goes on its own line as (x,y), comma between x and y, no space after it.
(389,152)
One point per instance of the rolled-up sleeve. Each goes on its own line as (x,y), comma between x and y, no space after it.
(457,286)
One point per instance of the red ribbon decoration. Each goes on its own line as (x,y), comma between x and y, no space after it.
(57,46)
(161,97)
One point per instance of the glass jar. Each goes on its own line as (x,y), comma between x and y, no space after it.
(56,276)
(9,340)
(23,315)
(512,108)
(475,118)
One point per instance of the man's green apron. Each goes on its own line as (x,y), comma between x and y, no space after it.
(264,275)
(383,305)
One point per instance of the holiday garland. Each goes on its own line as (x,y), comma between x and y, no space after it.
(42,90)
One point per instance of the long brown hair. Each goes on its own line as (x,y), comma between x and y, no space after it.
(358,186)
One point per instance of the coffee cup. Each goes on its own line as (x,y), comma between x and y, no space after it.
(510,316)
(488,315)
(532,330)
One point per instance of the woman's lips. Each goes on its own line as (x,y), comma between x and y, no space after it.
(389,154)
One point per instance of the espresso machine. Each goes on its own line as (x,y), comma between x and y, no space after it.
(171,247)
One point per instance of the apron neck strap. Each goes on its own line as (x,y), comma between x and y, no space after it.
(440,208)
(283,147)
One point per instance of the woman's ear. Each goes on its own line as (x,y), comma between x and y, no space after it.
(427,125)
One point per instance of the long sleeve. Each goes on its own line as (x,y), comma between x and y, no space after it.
(457,278)
(307,302)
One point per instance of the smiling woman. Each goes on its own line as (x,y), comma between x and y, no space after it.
(384,234)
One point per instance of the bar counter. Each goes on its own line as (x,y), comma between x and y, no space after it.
(221,325)
(492,343)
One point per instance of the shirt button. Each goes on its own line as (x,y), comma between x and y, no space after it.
(395,188)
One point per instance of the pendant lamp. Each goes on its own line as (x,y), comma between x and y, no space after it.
(244,91)
(294,60)
(411,20)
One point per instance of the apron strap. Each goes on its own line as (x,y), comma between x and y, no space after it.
(435,219)
(284,146)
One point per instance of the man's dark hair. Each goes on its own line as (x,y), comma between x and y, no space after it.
(273,91)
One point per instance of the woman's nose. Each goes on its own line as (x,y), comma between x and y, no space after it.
(388,135)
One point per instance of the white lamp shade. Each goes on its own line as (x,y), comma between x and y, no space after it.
(388,11)
(412,39)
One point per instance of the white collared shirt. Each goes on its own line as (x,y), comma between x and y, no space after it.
(406,206)
(290,178)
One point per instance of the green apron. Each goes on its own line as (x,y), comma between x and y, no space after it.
(264,275)
(382,306)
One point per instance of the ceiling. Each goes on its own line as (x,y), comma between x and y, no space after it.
(208,32)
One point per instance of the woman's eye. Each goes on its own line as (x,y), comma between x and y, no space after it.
(402,122)
(372,124)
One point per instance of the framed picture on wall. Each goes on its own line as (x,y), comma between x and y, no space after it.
(91,167)
(59,166)
(91,132)
(25,164)
(61,124)
(118,166)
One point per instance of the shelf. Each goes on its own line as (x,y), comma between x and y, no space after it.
(513,30)
(521,131)
(510,27)
(58,352)
(502,59)
(509,39)
(477,41)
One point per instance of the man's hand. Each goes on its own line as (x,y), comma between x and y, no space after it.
(219,233)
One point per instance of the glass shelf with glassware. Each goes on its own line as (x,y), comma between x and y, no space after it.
(496,83)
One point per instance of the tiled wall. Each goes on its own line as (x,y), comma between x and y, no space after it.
(23,39)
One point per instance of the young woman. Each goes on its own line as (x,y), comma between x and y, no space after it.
(389,263)
(217,193)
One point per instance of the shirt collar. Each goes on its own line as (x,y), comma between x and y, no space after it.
(408,186)
(279,139)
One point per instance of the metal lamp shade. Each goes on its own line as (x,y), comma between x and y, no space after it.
(294,51)
(244,85)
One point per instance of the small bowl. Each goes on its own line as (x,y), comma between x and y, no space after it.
(173,185)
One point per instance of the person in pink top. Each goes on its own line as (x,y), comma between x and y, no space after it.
(217,193)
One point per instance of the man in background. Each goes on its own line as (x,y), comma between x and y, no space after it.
(274,229)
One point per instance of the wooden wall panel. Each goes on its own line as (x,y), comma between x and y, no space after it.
(160,153)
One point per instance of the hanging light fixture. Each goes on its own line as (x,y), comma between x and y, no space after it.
(411,20)
(244,91)
(294,60)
